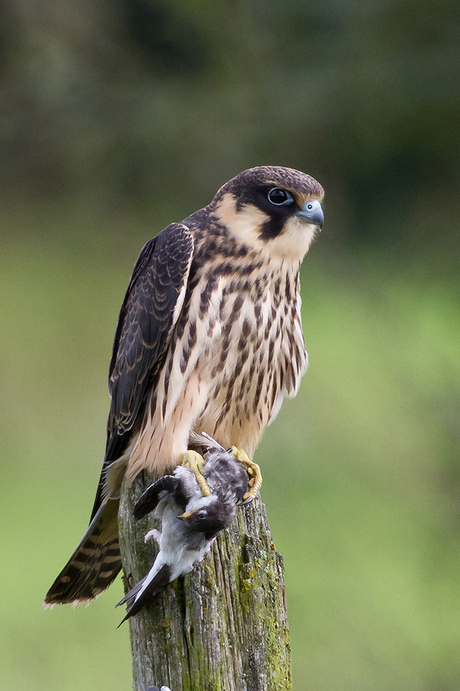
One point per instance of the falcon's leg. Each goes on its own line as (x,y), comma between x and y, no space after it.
(193,460)
(253,470)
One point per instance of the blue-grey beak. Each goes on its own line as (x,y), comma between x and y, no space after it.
(312,212)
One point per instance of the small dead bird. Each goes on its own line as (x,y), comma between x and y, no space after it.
(192,513)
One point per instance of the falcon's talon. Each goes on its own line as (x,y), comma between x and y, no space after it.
(194,461)
(255,482)
(247,499)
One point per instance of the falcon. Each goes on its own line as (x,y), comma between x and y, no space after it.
(209,340)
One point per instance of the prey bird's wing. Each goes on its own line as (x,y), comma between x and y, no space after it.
(149,312)
(149,499)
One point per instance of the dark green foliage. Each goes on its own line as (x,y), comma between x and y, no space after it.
(165,99)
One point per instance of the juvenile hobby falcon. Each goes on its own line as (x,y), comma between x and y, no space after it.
(209,339)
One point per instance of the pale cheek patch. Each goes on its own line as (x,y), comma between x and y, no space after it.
(246,225)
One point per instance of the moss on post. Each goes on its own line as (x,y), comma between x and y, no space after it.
(224,626)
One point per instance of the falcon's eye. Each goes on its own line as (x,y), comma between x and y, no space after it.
(280,197)
(201,515)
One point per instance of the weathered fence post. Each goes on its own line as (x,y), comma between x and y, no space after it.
(224,626)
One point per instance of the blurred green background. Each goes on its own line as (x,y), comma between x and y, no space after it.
(120,117)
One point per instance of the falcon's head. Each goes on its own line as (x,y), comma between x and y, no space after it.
(273,210)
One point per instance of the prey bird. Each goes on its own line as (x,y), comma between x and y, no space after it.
(190,520)
(209,339)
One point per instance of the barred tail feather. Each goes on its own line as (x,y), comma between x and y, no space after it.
(94,564)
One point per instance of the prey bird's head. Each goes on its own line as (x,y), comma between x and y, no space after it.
(210,518)
(273,210)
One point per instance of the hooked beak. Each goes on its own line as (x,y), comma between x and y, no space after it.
(312,212)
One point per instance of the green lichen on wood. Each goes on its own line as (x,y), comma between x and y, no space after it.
(223,627)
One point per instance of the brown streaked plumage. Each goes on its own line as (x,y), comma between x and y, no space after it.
(209,339)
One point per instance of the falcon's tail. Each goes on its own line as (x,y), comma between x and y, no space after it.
(94,564)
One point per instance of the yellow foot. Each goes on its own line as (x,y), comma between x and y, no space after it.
(253,471)
(193,460)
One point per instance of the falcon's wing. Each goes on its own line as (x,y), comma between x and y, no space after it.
(149,312)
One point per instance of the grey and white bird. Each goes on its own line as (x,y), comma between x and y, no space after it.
(190,520)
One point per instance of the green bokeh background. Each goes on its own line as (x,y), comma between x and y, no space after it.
(119,117)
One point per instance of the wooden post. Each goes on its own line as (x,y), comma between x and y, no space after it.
(224,626)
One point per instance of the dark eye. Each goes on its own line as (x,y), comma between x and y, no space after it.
(201,515)
(280,197)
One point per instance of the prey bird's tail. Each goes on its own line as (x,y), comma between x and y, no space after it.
(94,564)
(156,580)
